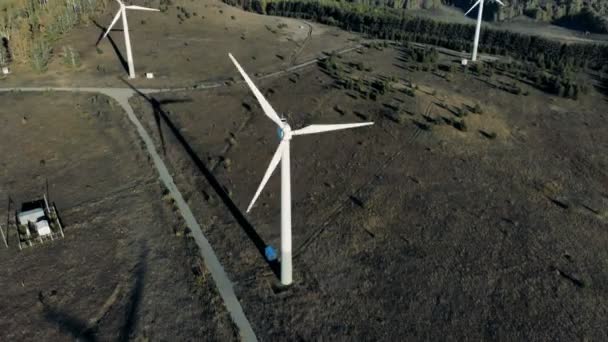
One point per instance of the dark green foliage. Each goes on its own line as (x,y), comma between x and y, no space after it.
(488,135)
(446,67)
(391,24)
(585,20)
(477,109)
(461,112)
(459,125)
(559,82)
(423,126)
(380,86)
(4,55)
(409,92)
(164,5)
(71,57)
(426,55)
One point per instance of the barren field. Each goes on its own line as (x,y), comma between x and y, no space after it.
(411,228)
(124,270)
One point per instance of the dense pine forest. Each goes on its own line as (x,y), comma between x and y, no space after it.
(586,15)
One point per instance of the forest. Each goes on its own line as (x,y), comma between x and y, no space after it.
(585,15)
(397,25)
(28,29)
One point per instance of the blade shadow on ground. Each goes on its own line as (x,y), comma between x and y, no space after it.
(8,219)
(76,327)
(135,298)
(83,330)
(161,116)
(122,60)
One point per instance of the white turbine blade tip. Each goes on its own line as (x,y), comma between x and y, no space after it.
(276,158)
(500,2)
(327,128)
(268,110)
(116,17)
(140,8)
(472,7)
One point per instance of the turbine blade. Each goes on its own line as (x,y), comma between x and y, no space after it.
(112,24)
(273,165)
(500,2)
(135,7)
(326,128)
(268,110)
(470,9)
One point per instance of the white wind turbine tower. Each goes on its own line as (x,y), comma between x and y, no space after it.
(478,27)
(125,27)
(282,155)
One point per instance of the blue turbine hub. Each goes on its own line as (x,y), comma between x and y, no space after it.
(280,133)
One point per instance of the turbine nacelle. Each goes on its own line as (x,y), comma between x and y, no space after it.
(284,131)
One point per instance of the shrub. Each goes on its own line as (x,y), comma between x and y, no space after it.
(381,86)
(459,125)
(488,135)
(477,109)
(71,57)
(40,55)
(460,112)
(4,58)
(64,21)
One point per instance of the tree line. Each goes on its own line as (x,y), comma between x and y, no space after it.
(395,24)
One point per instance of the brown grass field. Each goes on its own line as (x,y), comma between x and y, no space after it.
(417,228)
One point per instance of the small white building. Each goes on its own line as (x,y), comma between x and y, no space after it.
(37,217)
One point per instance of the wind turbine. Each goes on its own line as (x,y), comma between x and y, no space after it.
(125,27)
(478,27)
(282,155)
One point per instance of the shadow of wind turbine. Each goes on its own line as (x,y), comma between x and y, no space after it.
(211,179)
